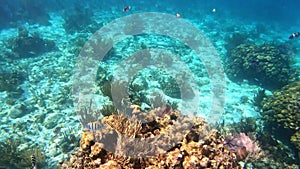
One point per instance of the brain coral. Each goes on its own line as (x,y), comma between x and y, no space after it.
(268,65)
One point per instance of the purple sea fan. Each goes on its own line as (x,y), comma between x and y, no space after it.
(239,142)
(166,109)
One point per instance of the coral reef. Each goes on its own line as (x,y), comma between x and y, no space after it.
(137,88)
(69,141)
(10,80)
(108,110)
(274,153)
(245,125)
(281,111)
(87,113)
(295,139)
(151,141)
(264,151)
(269,65)
(137,91)
(235,40)
(242,144)
(13,157)
(171,88)
(26,45)
(259,97)
(74,22)
(106,90)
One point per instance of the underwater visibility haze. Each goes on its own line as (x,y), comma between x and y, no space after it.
(149,84)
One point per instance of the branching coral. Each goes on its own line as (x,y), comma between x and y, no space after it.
(245,125)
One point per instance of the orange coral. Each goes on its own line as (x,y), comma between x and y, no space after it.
(86,140)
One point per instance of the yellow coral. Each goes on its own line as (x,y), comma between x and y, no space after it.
(96,149)
(86,139)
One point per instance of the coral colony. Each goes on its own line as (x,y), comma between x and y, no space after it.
(158,122)
(195,147)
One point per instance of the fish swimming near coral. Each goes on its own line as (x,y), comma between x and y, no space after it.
(93,126)
(126,8)
(294,35)
(95,129)
(33,162)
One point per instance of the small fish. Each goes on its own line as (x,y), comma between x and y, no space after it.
(32,53)
(126,8)
(178,15)
(294,35)
(57,129)
(94,126)
(33,161)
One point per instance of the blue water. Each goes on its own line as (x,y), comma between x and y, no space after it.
(57,57)
(284,12)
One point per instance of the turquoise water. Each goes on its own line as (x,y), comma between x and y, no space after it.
(58,58)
